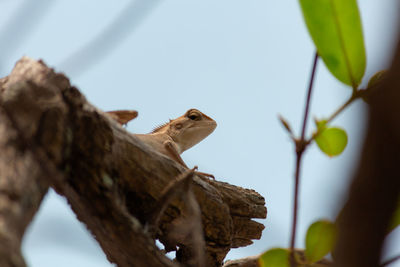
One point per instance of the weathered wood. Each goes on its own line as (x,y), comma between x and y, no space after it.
(252,261)
(112,180)
(23,180)
(21,191)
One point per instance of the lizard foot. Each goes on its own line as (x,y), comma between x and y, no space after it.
(203,173)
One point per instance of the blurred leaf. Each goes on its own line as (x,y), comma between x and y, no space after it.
(395,221)
(376,78)
(332,141)
(320,240)
(335,27)
(275,257)
(321,124)
(285,124)
(373,85)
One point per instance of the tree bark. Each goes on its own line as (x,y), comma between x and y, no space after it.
(50,135)
(23,173)
(252,261)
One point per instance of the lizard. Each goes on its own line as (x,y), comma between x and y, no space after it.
(176,136)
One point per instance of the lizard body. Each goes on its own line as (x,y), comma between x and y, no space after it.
(178,135)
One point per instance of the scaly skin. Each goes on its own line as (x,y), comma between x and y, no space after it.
(178,135)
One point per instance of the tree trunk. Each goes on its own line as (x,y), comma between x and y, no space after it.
(375,190)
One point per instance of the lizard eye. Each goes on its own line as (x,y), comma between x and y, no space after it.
(194,117)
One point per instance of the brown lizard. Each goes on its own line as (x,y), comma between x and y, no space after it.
(176,136)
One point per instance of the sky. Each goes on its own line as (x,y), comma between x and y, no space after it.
(240,62)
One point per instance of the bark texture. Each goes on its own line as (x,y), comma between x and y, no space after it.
(252,261)
(24,175)
(50,135)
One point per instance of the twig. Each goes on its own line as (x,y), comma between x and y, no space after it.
(20,26)
(390,261)
(342,107)
(310,86)
(190,226)
(131,16)
(356,95)
(300,148)
(175,188)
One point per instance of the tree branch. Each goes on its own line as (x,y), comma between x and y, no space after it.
(113,182)
(301,145)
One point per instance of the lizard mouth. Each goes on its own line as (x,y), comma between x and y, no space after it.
(203,124)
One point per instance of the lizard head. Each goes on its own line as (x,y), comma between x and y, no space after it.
(189,129)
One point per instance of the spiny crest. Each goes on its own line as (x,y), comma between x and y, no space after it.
(159,127)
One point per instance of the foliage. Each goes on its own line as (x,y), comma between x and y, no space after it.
(330,140)
(275,257)
(320,240)
(336,30)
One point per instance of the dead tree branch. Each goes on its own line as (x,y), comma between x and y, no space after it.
(50,135)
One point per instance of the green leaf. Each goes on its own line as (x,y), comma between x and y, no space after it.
(332,141)
(275,257)
(335,27)
(395,221)
(320,240)
(321,124)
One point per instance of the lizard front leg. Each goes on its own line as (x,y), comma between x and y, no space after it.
(174,154)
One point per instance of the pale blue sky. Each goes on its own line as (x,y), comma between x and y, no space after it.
(240,62)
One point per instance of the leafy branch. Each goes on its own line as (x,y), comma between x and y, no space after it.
(335,27)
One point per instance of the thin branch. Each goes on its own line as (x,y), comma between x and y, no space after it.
(295,208)
(20,26)
(390,261)
(342,107)
(300,148)
(174,189)
(356,95)
(106,41)
(310,86)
